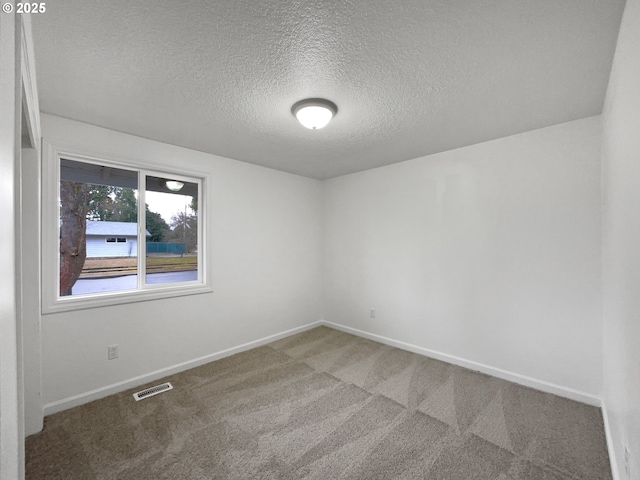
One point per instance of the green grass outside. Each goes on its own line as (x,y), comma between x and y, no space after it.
(106,266)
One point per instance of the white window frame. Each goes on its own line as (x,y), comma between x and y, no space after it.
(52,302)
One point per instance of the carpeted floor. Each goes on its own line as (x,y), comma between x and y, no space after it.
(325,405)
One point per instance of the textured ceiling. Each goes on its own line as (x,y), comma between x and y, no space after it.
(410,77)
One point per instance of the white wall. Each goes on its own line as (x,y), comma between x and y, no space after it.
(31,306)
(264,260)
(621,239)
(489,253)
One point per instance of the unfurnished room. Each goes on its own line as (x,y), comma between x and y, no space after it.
(306,239)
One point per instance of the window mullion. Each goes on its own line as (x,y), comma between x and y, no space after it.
(142,226)
(201,228)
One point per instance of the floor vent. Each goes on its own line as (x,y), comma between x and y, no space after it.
(150,392)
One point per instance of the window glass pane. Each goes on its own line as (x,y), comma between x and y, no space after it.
(172,230)
(98,228)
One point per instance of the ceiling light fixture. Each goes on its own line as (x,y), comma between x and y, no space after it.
(314,113)
(173,185)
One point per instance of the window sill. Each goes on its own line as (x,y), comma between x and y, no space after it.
(97,300)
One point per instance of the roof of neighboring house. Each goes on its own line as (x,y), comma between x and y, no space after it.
(124,229)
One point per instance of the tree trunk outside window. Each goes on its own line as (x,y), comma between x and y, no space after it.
(73,237)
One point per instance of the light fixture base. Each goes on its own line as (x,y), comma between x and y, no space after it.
(314,113)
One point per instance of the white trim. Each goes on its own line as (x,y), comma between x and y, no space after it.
(33,415)
(541,385)
(98,393)
(11,368)
(83,153)
(30,103)
(610,447)
(119,297)
(50,179)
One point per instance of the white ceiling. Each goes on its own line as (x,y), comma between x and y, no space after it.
(410,77)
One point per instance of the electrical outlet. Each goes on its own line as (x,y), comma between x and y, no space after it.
(627,461)
(112,352)
(372,313)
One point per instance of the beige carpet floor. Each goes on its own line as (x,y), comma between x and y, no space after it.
(325,405)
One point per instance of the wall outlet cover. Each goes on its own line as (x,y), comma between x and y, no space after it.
(112,352)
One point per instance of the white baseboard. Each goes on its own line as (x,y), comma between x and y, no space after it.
(471,365)
(542,385)
(98,393)
(615,474)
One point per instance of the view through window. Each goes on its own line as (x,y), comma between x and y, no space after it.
(172,247)
(103,245)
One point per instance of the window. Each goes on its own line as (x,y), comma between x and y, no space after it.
(119,232)
(172,250)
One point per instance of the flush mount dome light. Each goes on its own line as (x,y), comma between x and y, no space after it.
(314,113)
(173,185)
